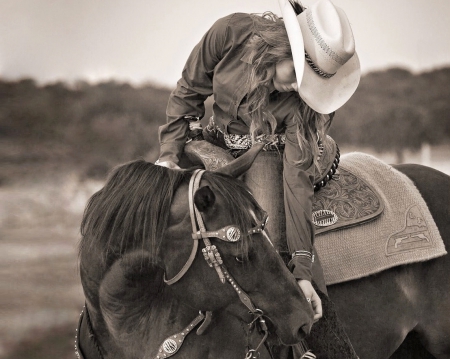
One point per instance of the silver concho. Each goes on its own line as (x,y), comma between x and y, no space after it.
(170,346)
(233,234)
(324,218)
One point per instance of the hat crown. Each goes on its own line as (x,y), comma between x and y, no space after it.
(327,35)
(323,50)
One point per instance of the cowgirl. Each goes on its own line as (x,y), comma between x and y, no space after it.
(275,80)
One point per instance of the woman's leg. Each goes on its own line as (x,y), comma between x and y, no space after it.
(328,339)
(265,180)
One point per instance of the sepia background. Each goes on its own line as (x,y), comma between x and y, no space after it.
(84,85)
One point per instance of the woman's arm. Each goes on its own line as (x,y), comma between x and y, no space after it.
(186,102)
(298,183)
(298,196)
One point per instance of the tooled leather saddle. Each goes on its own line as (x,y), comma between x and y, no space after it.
(341,198)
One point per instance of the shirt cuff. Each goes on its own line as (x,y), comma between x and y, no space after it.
(171,151)
(301,268)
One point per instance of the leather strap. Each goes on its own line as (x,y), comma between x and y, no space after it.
(86,346)
(186,266)
(172,344)
(192,184)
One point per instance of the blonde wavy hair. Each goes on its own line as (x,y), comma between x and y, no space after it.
(269,45)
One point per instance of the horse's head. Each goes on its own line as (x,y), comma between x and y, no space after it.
(145,209)
(244,257)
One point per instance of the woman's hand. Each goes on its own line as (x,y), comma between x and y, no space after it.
(312,297)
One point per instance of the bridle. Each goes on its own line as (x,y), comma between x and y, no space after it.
(212,256)
(172,344)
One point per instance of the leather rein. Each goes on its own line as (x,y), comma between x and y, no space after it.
(232,234)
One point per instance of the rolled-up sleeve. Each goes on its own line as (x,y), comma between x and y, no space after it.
(194,87)
(298,183)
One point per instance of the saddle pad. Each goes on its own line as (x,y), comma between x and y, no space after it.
(405,231)
(346,201)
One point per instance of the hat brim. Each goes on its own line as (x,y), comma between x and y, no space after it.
(327,95)
(295,37)
(324,95)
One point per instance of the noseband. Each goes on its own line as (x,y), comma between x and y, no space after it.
(212,256)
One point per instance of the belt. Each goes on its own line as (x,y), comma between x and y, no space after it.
(273,142)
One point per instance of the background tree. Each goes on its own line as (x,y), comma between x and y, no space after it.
(93,127)
(394,110)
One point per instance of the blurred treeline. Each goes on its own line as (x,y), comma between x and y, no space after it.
(92,127)
(395,110)
(96,126)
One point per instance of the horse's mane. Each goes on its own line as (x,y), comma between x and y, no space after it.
(131,211)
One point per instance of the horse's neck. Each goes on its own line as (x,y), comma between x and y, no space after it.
(131,310)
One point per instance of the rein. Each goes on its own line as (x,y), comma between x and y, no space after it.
(230,233)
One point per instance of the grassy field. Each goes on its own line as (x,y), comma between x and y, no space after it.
(41,296)
(40,292)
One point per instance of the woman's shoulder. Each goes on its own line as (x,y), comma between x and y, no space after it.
(235,20)
(240,22)
(236,27)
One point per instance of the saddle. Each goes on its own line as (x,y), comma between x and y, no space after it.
(341,198)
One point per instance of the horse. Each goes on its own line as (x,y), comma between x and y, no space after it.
(148,284)
(401,312)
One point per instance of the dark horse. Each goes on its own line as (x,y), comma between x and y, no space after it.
(148,287)
(404,312)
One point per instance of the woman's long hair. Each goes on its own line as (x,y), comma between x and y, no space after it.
(270,45)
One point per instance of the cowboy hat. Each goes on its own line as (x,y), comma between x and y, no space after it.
(323,50)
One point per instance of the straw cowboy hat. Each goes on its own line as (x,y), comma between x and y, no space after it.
(323,49)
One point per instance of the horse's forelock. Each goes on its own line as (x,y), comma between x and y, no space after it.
(131,211)
(237,199)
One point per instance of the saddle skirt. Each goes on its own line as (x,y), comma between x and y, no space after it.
(371,217)
(347,200)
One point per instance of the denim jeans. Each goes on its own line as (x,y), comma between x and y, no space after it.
(265,180)
(328,339)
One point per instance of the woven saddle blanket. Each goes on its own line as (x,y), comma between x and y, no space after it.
(371,217)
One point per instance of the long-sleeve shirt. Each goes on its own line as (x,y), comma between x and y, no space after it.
(219,65)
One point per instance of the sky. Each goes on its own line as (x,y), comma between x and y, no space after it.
(142,41)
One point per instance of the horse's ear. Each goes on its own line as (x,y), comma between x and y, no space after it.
(204,198)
